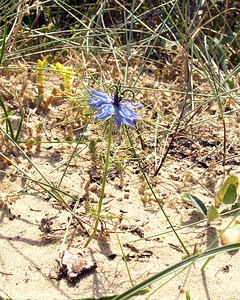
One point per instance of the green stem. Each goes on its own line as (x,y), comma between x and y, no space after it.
(124,259)
(155,197)
(4,38)
(107,163)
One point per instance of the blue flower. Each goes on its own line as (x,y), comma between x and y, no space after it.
(122,112)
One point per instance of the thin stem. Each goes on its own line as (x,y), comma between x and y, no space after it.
(74,153)
(173,137)
(124,259)
(107,163)
(3,39)
(9,128)
(155,197)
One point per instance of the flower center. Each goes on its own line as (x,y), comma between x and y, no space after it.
(117,98)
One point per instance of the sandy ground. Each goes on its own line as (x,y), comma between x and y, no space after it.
(32,233)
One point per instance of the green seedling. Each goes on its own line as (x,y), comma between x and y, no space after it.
(227,195)
(8,117)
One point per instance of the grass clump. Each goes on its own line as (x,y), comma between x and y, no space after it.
(113,166)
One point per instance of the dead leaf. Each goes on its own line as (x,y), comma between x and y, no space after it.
(76,266)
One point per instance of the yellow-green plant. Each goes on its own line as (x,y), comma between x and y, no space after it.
(41,75)
(67,75)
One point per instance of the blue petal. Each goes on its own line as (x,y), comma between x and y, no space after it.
(97,104)
(95,95)
(126,116)
(106,107)
(117,120)
(128,122)
(128,113)
(131,105)
(106,111)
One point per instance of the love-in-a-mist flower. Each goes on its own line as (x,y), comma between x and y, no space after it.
(121,112)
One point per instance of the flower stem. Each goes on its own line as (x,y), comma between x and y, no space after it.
(107,164)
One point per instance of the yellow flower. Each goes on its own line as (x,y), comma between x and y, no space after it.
(66,73)
(40,71)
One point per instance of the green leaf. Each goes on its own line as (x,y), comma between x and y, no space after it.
(196,202)
(212,213)
(230,195)
(11,113)
(188,296)
(228,191)
(230,83)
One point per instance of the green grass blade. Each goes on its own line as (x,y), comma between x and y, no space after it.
(3,40)
(19,127)
(8,122)
(183,264)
